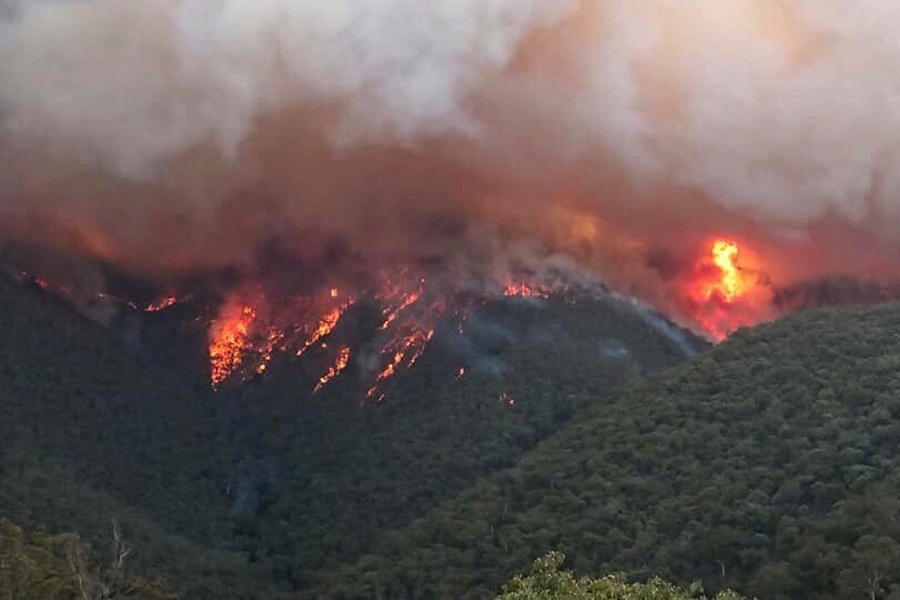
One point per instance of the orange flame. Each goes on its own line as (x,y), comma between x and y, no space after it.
(391,313)
(325,326)
(410,350)
(396,300)
(250,330)
(336,369)
(228,342)
(161,304)
(525,290)
(731,284)
(729,295)
(273,338)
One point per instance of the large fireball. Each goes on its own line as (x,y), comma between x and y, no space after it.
(724,294)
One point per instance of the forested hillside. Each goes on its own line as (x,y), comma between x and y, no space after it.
(547,581)
(261,486)
(330,477)
(90,433)
(768,465)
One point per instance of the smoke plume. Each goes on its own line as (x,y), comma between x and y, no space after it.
(170,135)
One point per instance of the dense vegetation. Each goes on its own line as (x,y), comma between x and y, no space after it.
(40,566)
(329,479)
(260,485)
(768,465)
(89,432)
(547,581)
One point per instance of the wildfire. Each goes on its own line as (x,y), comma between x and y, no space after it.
(229,342)
(325,326)
(717,293)
(250,330)
(731,284)
(396,299)
(525,290)
(343,359)
(161,304)
(273,339)
(391,313)
(727,295)
(409,350)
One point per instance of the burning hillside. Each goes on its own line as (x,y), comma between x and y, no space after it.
(710,159)
(726,294)
(402,311)
(378,322)
(250,329)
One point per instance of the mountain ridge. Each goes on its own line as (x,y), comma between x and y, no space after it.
(120,422)
(737,468)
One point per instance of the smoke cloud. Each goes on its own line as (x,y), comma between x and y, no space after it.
(176,134)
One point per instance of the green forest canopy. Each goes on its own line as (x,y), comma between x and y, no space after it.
(767,465)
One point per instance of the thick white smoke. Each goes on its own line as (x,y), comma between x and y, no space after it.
(137,83)
(341,115)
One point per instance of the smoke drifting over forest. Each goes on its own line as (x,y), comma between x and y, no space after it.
(173,135)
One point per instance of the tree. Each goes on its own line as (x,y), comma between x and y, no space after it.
(547,582)
(32,567)
(873,567)
(39,566)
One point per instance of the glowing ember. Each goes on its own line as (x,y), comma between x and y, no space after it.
(161,304)
(391,314)
(53,288)
(229,342)
(387,372)
(273,339)
(336,369)
(250,330)
(409,351)
(325,326)
(416,346)
(525,290)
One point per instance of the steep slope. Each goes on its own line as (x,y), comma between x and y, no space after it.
(94,428)
(326,478)
(768,464)
(89,433)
